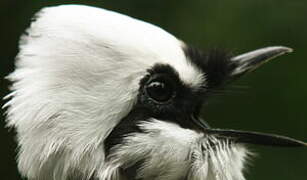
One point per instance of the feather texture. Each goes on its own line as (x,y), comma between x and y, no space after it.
(77,74)
(174,153)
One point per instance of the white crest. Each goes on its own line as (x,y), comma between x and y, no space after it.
(77,74)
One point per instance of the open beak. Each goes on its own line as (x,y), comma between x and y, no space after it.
(245,63)
(252,60)
(257,138)
(249,137)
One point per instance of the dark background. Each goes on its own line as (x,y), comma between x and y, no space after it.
(272,99)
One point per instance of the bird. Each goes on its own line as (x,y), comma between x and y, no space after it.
(98,95)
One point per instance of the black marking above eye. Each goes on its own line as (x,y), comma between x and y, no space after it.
(215,63)
(160,89)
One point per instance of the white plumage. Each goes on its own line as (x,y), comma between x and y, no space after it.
(174,153)
(77,75)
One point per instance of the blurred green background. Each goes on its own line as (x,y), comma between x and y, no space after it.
(272,99)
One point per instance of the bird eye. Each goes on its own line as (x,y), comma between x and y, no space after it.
(160,90)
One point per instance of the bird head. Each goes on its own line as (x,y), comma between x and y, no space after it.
(86,78)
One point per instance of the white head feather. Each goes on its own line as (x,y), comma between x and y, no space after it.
(77,74)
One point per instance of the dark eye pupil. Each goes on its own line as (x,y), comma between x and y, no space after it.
(159,91)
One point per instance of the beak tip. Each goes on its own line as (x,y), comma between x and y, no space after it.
(284,49)
(301,144)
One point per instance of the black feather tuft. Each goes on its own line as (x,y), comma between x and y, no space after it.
(215,63)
